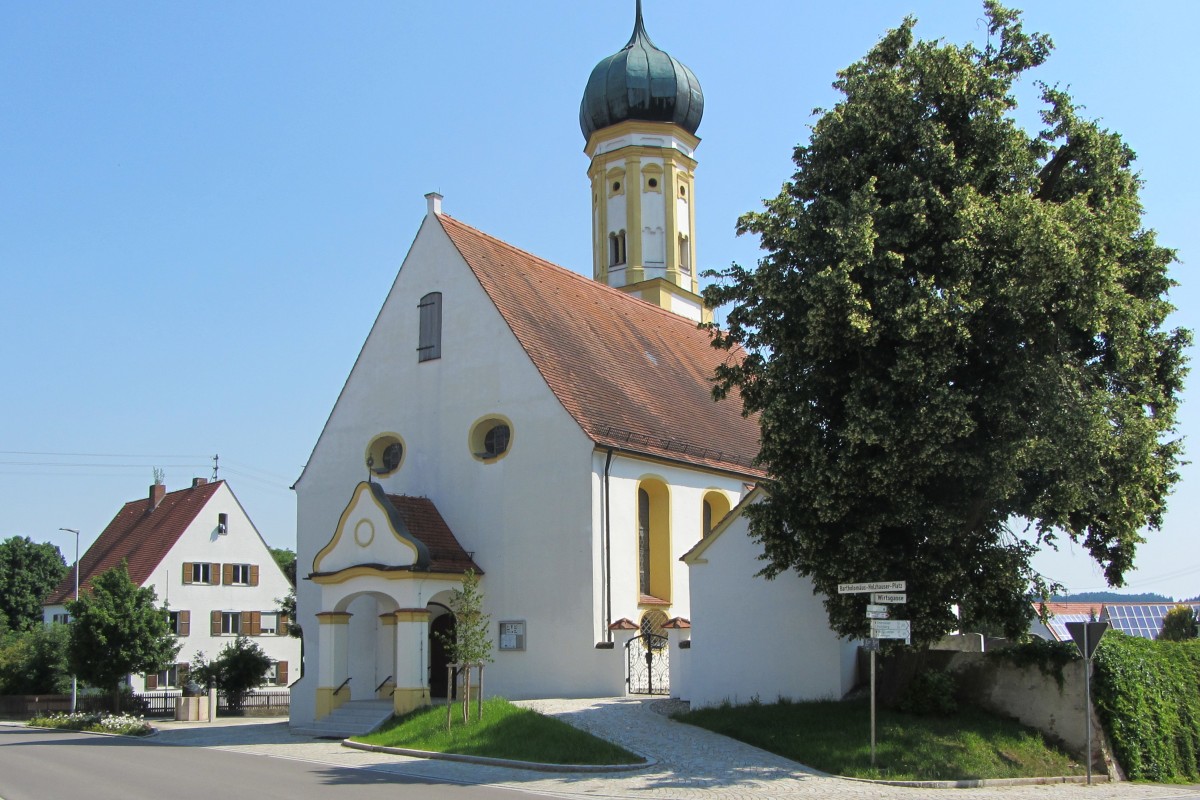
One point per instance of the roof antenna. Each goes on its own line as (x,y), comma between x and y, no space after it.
(216,466)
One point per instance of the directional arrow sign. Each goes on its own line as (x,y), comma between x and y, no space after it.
(877,586)
(888,597)
(890,629)
(879,609)
(877,614)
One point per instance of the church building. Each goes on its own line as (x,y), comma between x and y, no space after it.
(554,433)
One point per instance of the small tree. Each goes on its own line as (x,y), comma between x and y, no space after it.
(240,667)
(471,645)
(1179,624)
(118,629)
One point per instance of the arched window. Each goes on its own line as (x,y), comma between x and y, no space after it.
(616,248)
(653,542)
(716,506)
(685,253)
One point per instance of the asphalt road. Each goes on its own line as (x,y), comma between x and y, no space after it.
(49,765)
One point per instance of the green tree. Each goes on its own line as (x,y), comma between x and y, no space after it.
(471,644)
(28,572)
(958,324)
(286,559)
(118,629)
(241,666)
(1178,624)
(35,661)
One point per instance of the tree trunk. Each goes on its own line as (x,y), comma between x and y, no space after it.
(479,695)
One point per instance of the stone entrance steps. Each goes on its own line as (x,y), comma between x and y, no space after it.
(353,718)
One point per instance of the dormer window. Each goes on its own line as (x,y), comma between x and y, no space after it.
(429,343)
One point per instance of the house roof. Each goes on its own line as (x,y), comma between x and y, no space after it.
(423,521)
(634,376)
(139,535)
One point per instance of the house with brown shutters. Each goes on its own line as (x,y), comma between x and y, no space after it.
(199,551)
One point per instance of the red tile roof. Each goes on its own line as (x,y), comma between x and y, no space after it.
(138,536)
(634,376)
(423,521)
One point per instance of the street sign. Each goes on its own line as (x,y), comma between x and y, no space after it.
(888,597)
(890,629)
(1086,638)
(877,586)
(881,609)
(876,614)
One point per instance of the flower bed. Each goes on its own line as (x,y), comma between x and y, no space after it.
(124,724)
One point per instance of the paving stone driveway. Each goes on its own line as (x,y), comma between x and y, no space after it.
(690,762)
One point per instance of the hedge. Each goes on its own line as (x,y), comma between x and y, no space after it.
(1147,694)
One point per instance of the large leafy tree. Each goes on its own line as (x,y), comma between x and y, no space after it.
(118,629)
(34,661)
(28,572)
(958,327)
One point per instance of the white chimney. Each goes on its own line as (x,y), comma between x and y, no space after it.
(435,203)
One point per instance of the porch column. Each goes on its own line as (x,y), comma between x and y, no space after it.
(412,646)
(333,635)
(385,658)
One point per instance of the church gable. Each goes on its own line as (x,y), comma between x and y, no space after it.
(371,533)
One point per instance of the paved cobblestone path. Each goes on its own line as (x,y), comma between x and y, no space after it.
(689,762)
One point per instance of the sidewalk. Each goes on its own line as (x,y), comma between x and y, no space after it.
(691,762)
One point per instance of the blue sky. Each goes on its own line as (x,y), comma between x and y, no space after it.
(202,206)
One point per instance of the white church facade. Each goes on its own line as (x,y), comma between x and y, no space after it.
(554,433)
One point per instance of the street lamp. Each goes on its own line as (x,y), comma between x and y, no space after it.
(74,679)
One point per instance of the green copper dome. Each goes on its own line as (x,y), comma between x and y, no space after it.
(641,82)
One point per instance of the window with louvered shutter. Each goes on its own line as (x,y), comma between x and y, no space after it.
(227,574)
(215,570)
(429,343)
(282,630)
(254,574)
(281,673)
(214,628)
(187,572)
(185,623)
(151,681)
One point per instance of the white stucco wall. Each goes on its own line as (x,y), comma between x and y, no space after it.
(757,638)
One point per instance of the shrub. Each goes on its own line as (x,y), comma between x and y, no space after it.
(930,693)
(1146,695)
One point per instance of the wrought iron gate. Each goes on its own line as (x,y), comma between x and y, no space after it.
(647,660)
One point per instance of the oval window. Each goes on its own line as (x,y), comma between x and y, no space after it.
(385,454)
(491,438)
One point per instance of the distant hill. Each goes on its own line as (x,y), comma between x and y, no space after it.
(1111,597)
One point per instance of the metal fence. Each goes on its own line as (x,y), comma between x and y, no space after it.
(146,704)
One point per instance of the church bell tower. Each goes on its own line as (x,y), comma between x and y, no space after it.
(639,114)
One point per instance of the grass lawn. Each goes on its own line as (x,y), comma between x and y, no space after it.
(505,731)
(835,737)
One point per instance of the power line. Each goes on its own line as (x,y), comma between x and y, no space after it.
(98,455)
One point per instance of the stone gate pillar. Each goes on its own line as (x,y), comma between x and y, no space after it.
(385,649)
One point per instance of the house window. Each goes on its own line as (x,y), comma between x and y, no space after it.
(268,624)
(240,574)
(277,674)
(653,542)
(180,622)
(231,623)
(60,619)
(168,677)
(198,573)
(429,344)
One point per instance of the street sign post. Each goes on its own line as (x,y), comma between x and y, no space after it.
(1087,636)
(881,592)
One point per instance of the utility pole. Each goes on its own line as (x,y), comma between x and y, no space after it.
(74,678)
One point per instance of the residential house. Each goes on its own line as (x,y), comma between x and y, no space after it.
(210,568)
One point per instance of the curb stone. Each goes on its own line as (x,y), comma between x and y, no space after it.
(501,762)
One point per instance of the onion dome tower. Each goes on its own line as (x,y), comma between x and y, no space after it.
(639,114)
